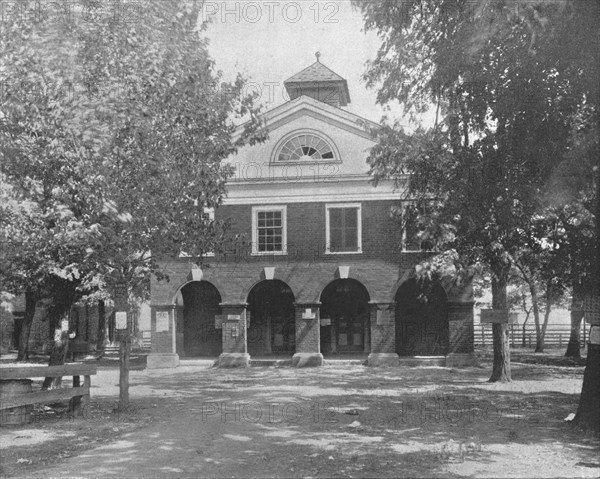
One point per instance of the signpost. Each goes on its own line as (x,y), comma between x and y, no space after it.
(122,326)
(499,316)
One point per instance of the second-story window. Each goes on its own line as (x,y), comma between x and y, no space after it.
(344,228)
(269,230)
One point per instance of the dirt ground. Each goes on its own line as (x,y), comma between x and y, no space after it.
(340,420)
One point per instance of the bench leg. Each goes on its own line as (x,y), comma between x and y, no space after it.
(85,399)
(75,402)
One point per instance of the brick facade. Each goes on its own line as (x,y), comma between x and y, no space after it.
(308,337)
(383,328)
(306,233)
(354,323)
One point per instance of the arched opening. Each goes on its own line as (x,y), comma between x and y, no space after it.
(344,317)
(421,319)
(272,322)
(197,335)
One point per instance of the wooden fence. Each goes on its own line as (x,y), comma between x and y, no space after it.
(556,335)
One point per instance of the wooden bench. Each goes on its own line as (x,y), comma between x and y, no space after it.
(78,395)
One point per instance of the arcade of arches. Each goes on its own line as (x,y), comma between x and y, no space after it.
(421,321)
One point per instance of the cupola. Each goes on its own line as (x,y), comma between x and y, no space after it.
(319,82)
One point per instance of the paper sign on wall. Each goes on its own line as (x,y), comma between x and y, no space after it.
(308,314)
(64,325)
(594,335)
(382,316)
(325,321)
(121,319)
(162,321)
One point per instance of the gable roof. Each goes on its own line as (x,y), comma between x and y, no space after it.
(305,105)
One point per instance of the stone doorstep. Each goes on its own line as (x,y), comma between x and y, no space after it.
(155,361)
(422,361)
(233,360)
(159,361)
(270,362)
(382,360)
(307,360)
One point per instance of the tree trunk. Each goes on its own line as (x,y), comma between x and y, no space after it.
(535,305)
(501,368)
(539,343)
(25,330)
(524,339)
(58,356)
(574,346)
(588,412)
(101,339)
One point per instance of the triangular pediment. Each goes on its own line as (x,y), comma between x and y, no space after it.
(305,106)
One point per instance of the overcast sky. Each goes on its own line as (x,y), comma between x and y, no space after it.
(269,41)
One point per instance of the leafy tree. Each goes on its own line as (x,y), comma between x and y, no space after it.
(541,263)
(508,80)
(113,130)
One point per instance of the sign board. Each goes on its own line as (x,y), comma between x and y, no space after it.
(162,321)
(383,316)
(121,319)
(595,335)
(64,325)
(325,321)
(234,317)
(308,314)
(498,316)
(591,309)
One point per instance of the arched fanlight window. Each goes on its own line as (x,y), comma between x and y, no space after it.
(305,147)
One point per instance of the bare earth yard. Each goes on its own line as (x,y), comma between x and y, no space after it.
(341,420)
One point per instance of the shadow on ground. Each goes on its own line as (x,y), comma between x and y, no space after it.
(346,421)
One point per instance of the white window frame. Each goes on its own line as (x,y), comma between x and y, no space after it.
(255,211)
(331,206)
(305,131)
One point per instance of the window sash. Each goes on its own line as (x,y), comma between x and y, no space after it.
(270,231)
(343,229)
(269,234)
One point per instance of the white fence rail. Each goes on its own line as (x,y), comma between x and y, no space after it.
(556,335)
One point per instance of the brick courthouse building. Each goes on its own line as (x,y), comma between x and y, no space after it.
(324,272)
